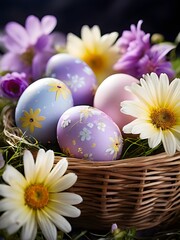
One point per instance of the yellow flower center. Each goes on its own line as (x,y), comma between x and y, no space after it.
(27,57)
(163,118)
(95,61)
(36,196)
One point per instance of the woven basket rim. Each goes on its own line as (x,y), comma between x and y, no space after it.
(127,162)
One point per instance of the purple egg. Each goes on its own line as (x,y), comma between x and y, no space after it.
(76,74)
(87,132)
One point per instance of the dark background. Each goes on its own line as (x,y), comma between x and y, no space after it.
(162,16)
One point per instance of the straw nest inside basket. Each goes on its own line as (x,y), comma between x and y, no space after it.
(140,192)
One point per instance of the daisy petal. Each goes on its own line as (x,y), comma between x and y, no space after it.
(169,143)
(65,209)
(57,172)
(59,221)
(47,227)
(64,183)
(68,198)
(13,177)
(29,166)
(29,230)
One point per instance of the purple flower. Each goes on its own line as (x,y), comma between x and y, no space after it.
(135,41)
(30,47)
(12,85)
(138,57)
(155,61)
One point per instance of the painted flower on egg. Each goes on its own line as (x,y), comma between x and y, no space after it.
(60,90)
(86,132)
(32,119)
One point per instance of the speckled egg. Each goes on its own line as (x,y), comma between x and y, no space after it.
(40,107)
(88,133)
(76,74)
(110,93)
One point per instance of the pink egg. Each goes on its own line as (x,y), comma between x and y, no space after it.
(110,93)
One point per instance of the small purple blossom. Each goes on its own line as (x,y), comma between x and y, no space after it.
(12,85)
(138,57)
(30,47)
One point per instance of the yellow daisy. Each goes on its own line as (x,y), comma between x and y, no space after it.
(31,119)
(99,52)
(157,111)
(59,89)
(36,199)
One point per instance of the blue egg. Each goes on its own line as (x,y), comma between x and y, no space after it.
(40,107)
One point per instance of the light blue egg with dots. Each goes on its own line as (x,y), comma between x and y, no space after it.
(40,107)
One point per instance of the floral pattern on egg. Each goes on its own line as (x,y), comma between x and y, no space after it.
(40,107)
(76,74)
(86,132)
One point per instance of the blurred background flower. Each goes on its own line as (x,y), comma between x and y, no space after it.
(12,85)
(99,52)
(28,48)
(139,56)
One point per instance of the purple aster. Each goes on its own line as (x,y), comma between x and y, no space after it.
(12,85)
(138,57)
(135,41)
(30,47)
(155,61)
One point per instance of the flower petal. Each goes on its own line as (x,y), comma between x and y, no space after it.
(57,172)
(29,230)
(44,164)
(14,178)
(64,183)
(65,197)
(48,23)
(17,33)
(59,221)
(29,166)
(64,209)
(33,28)
(47,227)
(169,142)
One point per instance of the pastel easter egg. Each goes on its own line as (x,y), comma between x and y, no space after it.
(110,93)
(40,107)
(76,74)
(88,133)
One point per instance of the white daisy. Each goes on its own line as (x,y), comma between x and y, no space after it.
(99,52)
(36,200)
(157,111)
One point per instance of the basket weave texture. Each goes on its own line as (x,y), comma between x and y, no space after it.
(140,192)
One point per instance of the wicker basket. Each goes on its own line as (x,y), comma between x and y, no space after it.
(140,192)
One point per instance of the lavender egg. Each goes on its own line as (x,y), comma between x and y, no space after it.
(40,107)
(76,74)
(88,133)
